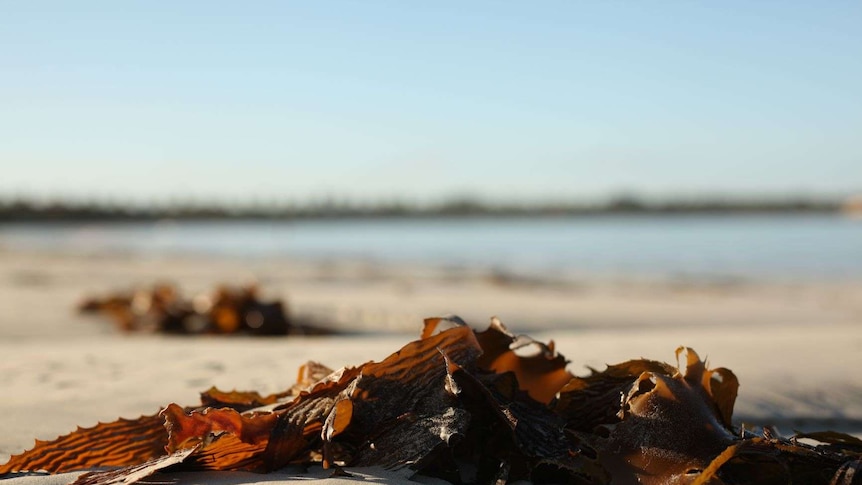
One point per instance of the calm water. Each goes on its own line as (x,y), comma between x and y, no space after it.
(747,247)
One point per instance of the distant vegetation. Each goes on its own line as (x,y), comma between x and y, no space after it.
(31,211)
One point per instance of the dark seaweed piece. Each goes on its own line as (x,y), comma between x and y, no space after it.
(134,473)
(398,411)
(669,427)
(835,441)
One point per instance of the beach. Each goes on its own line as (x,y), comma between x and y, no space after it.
(793,345)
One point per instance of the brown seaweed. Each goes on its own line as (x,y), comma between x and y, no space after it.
(468,407)
(227,310)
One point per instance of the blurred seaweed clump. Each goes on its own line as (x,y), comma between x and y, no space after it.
(227,310)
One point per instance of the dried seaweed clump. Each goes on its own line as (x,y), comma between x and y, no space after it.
(225,310)
(468,407)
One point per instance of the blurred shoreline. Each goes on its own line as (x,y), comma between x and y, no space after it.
(65,211)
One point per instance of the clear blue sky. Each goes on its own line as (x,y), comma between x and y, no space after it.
(373,100)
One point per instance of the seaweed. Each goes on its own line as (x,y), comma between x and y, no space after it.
(467,407)
(227,310)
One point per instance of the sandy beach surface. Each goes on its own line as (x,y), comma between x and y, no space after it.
(795,346)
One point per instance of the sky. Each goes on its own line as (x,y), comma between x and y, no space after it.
(382,100)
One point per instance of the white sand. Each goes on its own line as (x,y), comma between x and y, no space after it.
(795,347)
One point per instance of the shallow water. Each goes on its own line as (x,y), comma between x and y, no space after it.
(679,247)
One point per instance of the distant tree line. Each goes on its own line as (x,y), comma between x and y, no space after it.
(69,211)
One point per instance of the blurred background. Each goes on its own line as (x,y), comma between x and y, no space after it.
(623,177)
(590,138)
(551,146)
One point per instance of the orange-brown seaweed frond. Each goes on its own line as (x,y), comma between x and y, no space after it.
(238,400)
(120,443)
(542,373)
(187,429)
